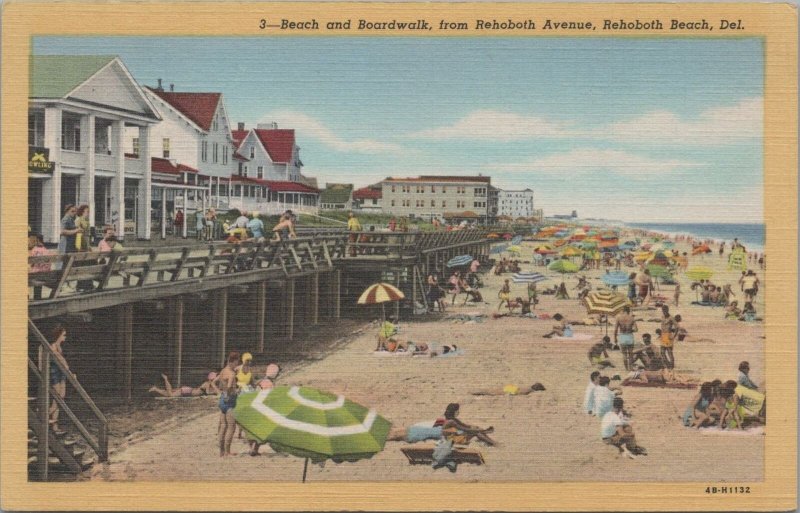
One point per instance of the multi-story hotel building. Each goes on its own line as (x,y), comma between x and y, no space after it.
(515,204)
(442,197)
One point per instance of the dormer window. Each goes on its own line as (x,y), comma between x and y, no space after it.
(252,152)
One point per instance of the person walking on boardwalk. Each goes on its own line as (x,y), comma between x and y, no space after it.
(227,402)
(353,226)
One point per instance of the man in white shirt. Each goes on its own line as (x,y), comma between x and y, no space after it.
(588,398)
(615,430)
(603,397)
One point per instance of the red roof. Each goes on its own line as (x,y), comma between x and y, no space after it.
(239,136)
(248,180)
(434,178)
(367,193)
(165,166)
(199,107)
(278,142)
(291,187)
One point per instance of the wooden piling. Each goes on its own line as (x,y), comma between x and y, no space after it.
(290,309)
(314,293)
(261,314)
(219,320)
(176,331)
(337,293)
(125,337)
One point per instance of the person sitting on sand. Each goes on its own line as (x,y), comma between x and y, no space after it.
(732,311)
(461,433)
(744,376)
(208,387)
(561,293)
(604,396)
(562,329)
(471,294)
(730,417)
(386,333)
(714,295)
(748,312)
(504,294)
(648,357)
(697,413)
(588,396)
(727,291)
(598,351)
(615,430)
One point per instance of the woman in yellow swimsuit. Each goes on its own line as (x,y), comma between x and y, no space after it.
(244,374)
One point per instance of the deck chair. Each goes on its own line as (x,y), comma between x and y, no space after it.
(423,455)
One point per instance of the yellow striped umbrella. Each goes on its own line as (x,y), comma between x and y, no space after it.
(605,302)
(699,273)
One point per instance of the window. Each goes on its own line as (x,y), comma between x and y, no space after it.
(165,147)
(245,171)
(203,151)
(444,203)
(444,189)
(375,202)
(392,202)
(433,188)
(252,152)
(420,189)
(216,152)
(215,124)
(393,191)
(36,128)
(136,147)
(433,203)
(224,154)
(240,169)
(71,132)
(260,171)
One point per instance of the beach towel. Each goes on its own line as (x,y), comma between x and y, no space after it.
(575,336)
(652,384)
(392,353)
(424,455)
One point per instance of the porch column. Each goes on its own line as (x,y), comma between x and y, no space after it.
(163,213)
(144,221)
(118,191)
(51,188)
(87,180)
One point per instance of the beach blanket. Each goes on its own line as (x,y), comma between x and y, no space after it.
(575,336)
(651,384)
(707,303)
(424,455)
(392,353)
(753,431)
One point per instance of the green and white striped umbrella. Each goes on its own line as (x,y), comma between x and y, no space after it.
(311,424)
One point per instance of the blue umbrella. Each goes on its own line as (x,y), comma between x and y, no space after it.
(609,249)
(630,244)
(500,248)
(528,277)
(516,240)
(617,278)
(459,261)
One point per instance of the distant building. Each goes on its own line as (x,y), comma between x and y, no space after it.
(515,204)
(336,196)
(368,198)
(442,197)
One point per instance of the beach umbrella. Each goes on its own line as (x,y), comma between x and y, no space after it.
(545,250)
(641,256)
(459,261)
(616,278)
(629,243)
(513,249)
(498,248)
(659,271)
(699,273)
(380,293)
(311,424)
(701,249)
(563,266)
(588,244)
(508,236)
(571,251)
(517,239)
(532,277)
(493,236)
(605,302)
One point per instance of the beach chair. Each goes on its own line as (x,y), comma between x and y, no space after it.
(423,455)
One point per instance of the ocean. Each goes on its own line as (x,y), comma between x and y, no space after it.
(749,234)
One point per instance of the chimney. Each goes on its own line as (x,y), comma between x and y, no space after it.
(172,88)
(241,126)
(159,87)
(267,126)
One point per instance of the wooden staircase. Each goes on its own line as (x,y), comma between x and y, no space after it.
(67,457)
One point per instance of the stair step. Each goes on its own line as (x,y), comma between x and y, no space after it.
(34,442)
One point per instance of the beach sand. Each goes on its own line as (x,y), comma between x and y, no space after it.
(544,436)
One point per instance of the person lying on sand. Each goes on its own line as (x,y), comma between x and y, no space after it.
(513,304)
(443,351)
(461,433)
(415,433)
(208,387)
(510,390)
(656,376)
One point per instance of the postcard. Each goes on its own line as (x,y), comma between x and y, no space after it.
(399,256)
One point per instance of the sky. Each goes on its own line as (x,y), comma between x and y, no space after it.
(634,129)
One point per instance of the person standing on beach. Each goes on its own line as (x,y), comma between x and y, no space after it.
(721,249)
(667,339)
(676,295)
(644,282)
(504,294)
(623,335)
(227,402)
